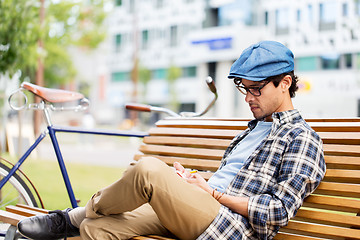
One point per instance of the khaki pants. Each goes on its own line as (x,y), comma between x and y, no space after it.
(149,199)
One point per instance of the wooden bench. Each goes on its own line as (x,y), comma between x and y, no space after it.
(332,212)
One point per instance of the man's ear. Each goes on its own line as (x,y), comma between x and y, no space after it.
(286,82)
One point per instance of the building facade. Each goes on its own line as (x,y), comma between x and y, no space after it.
(204,37)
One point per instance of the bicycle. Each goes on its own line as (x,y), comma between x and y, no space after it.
(15,186)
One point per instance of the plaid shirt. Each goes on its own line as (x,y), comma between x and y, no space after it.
(284,169)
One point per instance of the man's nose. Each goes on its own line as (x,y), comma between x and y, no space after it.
(248,97)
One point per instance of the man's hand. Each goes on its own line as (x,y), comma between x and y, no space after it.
(237,204)
(192,178)
(198,180)
(181,171)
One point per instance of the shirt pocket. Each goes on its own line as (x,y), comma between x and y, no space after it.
(266,160)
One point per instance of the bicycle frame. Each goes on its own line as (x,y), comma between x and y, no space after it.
(52,130)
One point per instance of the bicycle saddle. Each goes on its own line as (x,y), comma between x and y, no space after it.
(52,95)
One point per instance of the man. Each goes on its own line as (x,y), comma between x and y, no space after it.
(264,176)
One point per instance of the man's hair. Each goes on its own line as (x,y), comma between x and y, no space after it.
(277,79)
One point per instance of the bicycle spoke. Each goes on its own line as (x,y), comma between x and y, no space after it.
(15,191)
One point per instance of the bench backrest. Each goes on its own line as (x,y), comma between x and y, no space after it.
(331,211)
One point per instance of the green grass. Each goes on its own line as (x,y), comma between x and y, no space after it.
(86,180)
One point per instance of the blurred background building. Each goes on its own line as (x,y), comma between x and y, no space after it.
(204,37)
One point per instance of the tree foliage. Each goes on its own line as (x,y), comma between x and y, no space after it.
(19,33)
(173,73)
(66,23)
(145,75)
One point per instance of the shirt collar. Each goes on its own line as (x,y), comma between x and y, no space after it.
(280,118)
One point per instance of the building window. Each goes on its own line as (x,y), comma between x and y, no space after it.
(211,66)
(212,18)
(118,2)
(298,15)
(348,60)
(120,76)
(145,39)
(357,61)
(132,6)
(331,61)
(282,21)
(187,107)
(357,8)
(327,15)
(189,71)
(159,4)
(159,73)
(266,18)
(118,42)
(310,13)
(345,10)
(173,36)
(232,13)
(159,34)
(306,63)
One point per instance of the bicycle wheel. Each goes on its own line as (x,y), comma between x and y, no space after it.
(16,190)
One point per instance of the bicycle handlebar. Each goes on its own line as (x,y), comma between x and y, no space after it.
(211,84)
(138,107)
(149,108)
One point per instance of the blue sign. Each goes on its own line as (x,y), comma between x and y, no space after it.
(216,44)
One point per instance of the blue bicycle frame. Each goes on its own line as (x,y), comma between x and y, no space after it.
(51,130)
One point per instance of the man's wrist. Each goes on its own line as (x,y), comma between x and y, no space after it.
(216,194)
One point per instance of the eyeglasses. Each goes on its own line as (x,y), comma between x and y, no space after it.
(255,91)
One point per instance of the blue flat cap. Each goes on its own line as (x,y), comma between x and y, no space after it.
(263,60)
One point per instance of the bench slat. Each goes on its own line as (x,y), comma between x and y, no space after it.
(11,218)
(336,119)
(151,237)
(195,123)
(241,125)
(33,208)
(349,176)
(342,150)
(339,162)
(352,138)
(182,152)
(330,149)
(332,203)
(339,189)
(198,164)
(348,162)
(285,236)
(22,211)
(331,137)
(331,231)
(329,217)
(188,141)
(213,133)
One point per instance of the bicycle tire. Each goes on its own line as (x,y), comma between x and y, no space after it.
(15,191)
